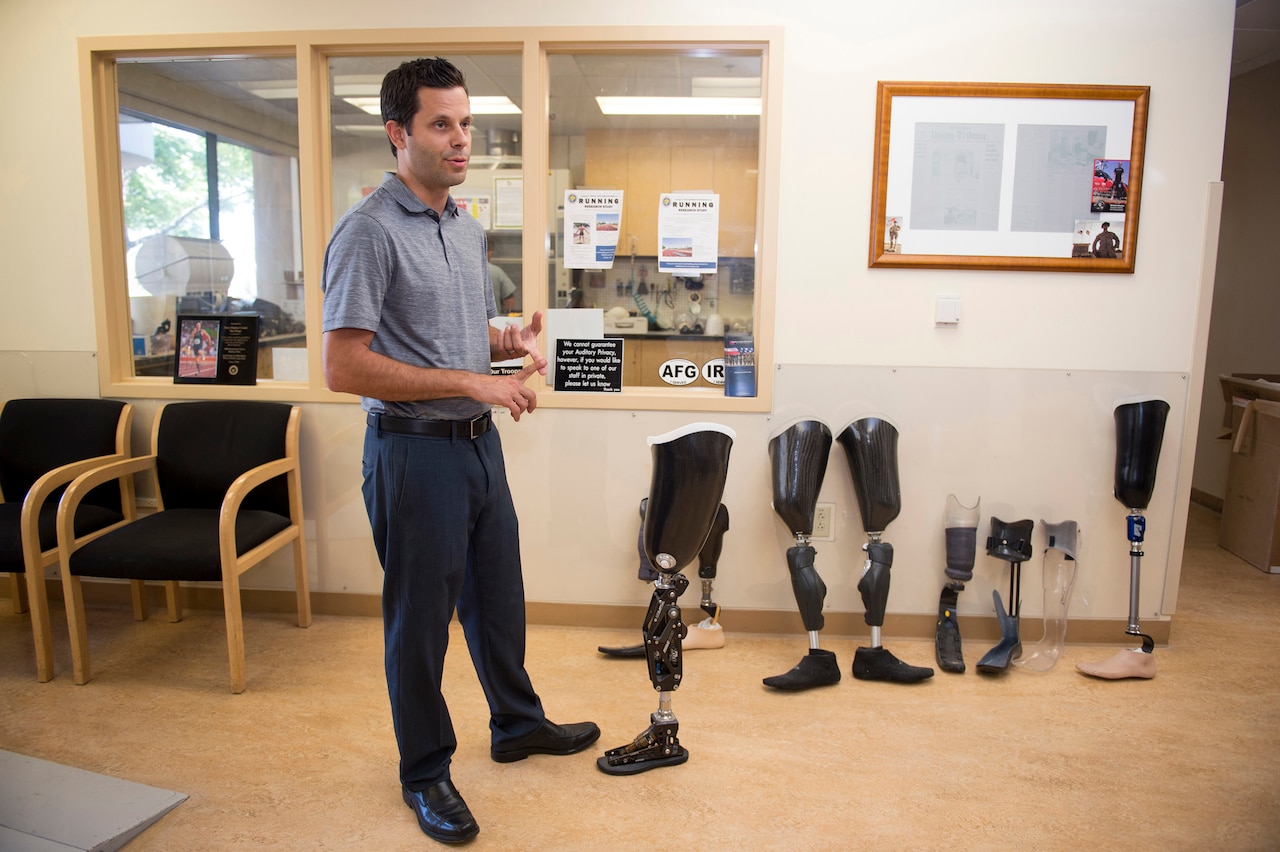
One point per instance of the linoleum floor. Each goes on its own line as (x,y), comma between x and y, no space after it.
(305,758)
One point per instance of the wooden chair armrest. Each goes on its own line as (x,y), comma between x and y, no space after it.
(54,479)
(86,482)
(245,483)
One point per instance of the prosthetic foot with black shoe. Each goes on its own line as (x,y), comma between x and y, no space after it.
(1059,576)
(798,459)
(961,525)
(871,447)
(1139,436)
(687,483)
(1010,542)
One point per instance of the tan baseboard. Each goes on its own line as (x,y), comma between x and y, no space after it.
(760,621)
(1204,498)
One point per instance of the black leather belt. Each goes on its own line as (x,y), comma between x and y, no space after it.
(469,429)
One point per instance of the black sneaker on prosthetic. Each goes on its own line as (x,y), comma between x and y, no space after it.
(879,664)
(818,669)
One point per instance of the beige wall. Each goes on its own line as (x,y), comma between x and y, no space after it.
(1243,336)
(1013,406)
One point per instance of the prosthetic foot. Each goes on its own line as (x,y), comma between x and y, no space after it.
(961,525)
(1059,578)
(871,447)
(686,486)
(1139,435)
(1010,542)
(798,458)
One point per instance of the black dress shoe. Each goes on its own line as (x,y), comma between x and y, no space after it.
(548,739)
(441,813)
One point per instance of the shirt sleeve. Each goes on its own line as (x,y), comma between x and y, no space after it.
(359,264)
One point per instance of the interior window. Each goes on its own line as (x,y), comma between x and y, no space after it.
(209,176)
(671,128)
(492,191)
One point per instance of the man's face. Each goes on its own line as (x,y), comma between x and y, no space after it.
(436,148)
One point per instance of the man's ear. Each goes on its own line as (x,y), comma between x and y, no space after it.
(395,132)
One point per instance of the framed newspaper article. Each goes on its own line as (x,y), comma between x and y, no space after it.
(1007,176)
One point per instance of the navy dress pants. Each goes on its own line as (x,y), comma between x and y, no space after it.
(445,529)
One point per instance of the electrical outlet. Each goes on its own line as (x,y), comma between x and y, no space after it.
(145,502)
(823,520)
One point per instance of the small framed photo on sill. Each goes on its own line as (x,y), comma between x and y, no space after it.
(217,349)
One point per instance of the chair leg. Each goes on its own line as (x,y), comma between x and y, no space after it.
(235,631)
(38,603)
(173,600)
(18,593)
(301,582)
(74,594)
(138,593)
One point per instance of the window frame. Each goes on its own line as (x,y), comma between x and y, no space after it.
(311,51)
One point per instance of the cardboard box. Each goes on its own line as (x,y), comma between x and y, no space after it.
(1238,390)
(1251,510)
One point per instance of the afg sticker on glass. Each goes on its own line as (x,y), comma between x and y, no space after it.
(678,371)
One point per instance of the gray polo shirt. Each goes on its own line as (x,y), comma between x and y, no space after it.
(420,282)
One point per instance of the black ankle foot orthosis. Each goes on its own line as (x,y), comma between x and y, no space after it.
(1008,649)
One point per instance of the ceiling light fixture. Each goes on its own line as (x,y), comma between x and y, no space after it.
(678,106)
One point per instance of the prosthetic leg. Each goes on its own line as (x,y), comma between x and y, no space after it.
(707,633)
(1012,543)
(1139,434)
(687,483)
(871,446)
(1059,578)
(961,524)
(798,457)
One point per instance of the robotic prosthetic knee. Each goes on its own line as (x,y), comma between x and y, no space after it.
(1139,435)
(961,526)
(689,470)
(798,457)
(1010,542)
(871,447)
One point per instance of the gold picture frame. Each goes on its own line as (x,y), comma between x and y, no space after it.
(997,176)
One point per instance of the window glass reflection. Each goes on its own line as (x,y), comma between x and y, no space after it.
(652,125)
(209,168)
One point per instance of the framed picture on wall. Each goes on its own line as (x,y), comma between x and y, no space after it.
(1000,175)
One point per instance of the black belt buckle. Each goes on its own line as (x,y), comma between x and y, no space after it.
(477,426)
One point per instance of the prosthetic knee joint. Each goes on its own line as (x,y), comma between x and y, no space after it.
(798,459)
(871,447)
(687,483)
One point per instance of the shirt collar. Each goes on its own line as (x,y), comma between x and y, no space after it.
(410,202)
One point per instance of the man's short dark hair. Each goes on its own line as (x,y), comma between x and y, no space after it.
(400,88)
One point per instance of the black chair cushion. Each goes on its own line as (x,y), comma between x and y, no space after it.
(176,544)
(88,519)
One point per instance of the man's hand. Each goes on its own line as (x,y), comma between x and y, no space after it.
(510,391)
(512,342)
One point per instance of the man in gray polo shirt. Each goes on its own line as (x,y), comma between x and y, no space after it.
(406,326)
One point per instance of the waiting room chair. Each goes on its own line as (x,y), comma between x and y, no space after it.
(44,444)
(228,496)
